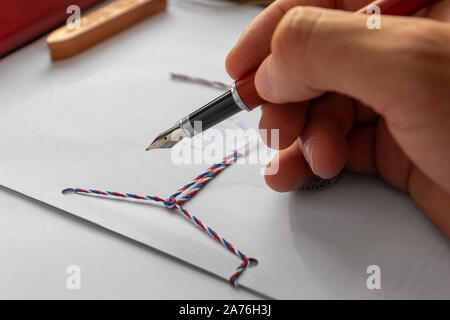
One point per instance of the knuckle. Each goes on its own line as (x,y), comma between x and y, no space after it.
(297,44)
(295,41)
(295,31)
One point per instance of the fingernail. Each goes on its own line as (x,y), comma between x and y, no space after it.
(308,149)
(262,81)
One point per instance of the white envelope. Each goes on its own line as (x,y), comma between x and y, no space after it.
(86,121)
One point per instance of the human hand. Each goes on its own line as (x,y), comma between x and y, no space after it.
(346,97)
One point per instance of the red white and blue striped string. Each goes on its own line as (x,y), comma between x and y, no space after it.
(200,81)
(176,201)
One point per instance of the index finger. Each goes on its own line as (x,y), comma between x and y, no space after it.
(254,45)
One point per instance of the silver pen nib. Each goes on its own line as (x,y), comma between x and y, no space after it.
(167,139)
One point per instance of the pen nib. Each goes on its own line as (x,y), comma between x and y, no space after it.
(167,139)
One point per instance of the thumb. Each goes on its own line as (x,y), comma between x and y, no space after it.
(315,50)
(400,71)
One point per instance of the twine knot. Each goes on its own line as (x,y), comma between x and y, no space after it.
(170,203)
(176,202)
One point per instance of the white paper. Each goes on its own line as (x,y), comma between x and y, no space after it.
(85,122)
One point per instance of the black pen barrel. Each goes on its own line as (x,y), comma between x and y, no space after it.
(214,112)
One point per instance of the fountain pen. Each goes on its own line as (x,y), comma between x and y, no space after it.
(243,95)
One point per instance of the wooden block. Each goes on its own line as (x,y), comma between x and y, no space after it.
(99,25)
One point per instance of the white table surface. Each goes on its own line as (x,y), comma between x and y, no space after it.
(38,243)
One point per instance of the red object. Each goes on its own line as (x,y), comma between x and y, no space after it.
(22,21)
(246,86)
(399,7)
(247,91)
